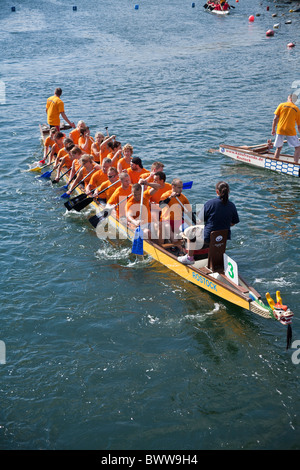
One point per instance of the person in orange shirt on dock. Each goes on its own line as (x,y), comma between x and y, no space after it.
(54,108)
(174,205)
(106,190)
(136,170)
(75,133)
(124,162)
(120,195)
(100,176)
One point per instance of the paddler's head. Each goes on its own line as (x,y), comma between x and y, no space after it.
(177,185)
(106,164)
(136,164)
(112,174)
(136,192)
(159,178)
(86,160)
(125,179)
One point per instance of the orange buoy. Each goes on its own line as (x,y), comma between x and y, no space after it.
(251,18)
(270,32)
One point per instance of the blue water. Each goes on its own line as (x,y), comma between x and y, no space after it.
(104,351)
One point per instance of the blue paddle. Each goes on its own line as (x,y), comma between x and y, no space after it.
(138,244)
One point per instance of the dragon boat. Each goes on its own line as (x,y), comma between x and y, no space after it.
(215,272)
(262,156)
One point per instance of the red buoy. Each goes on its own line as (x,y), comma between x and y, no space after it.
(270,32)
(291,44)
(251,18)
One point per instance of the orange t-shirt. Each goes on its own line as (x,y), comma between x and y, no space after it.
(108,191)
(49,142)
(97,179)
(54,107)
(104,152)
(96,158)
(61,153)
(67,161)
(81,143)
(156,197)
(124,164)
(177,211)
(136,175)
(118,195)
(136,210)
(84,173)
(74,135)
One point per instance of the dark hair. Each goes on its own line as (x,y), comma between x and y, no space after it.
(161,175)
(223,189)
(58,91)
(137,161)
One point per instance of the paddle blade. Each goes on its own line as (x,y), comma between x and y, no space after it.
(138,245)
(37,168)
(187,185)
(94,220)
(97,218)
(47,174)
(81,204)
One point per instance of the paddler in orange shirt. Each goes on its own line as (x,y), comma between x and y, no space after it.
(100,176)
(120,196)
(62,152)
(75,155)
(96,146)
(49,141)
(136,170)
(88,166)
(124,162)
(106,189)
(59,144)
(133,207)
(85,141)
(174,205)
(66,160)
(75,133)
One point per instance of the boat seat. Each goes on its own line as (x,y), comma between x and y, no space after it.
(217,248)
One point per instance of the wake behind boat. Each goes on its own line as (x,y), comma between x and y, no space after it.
(215,272)
(261,156)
